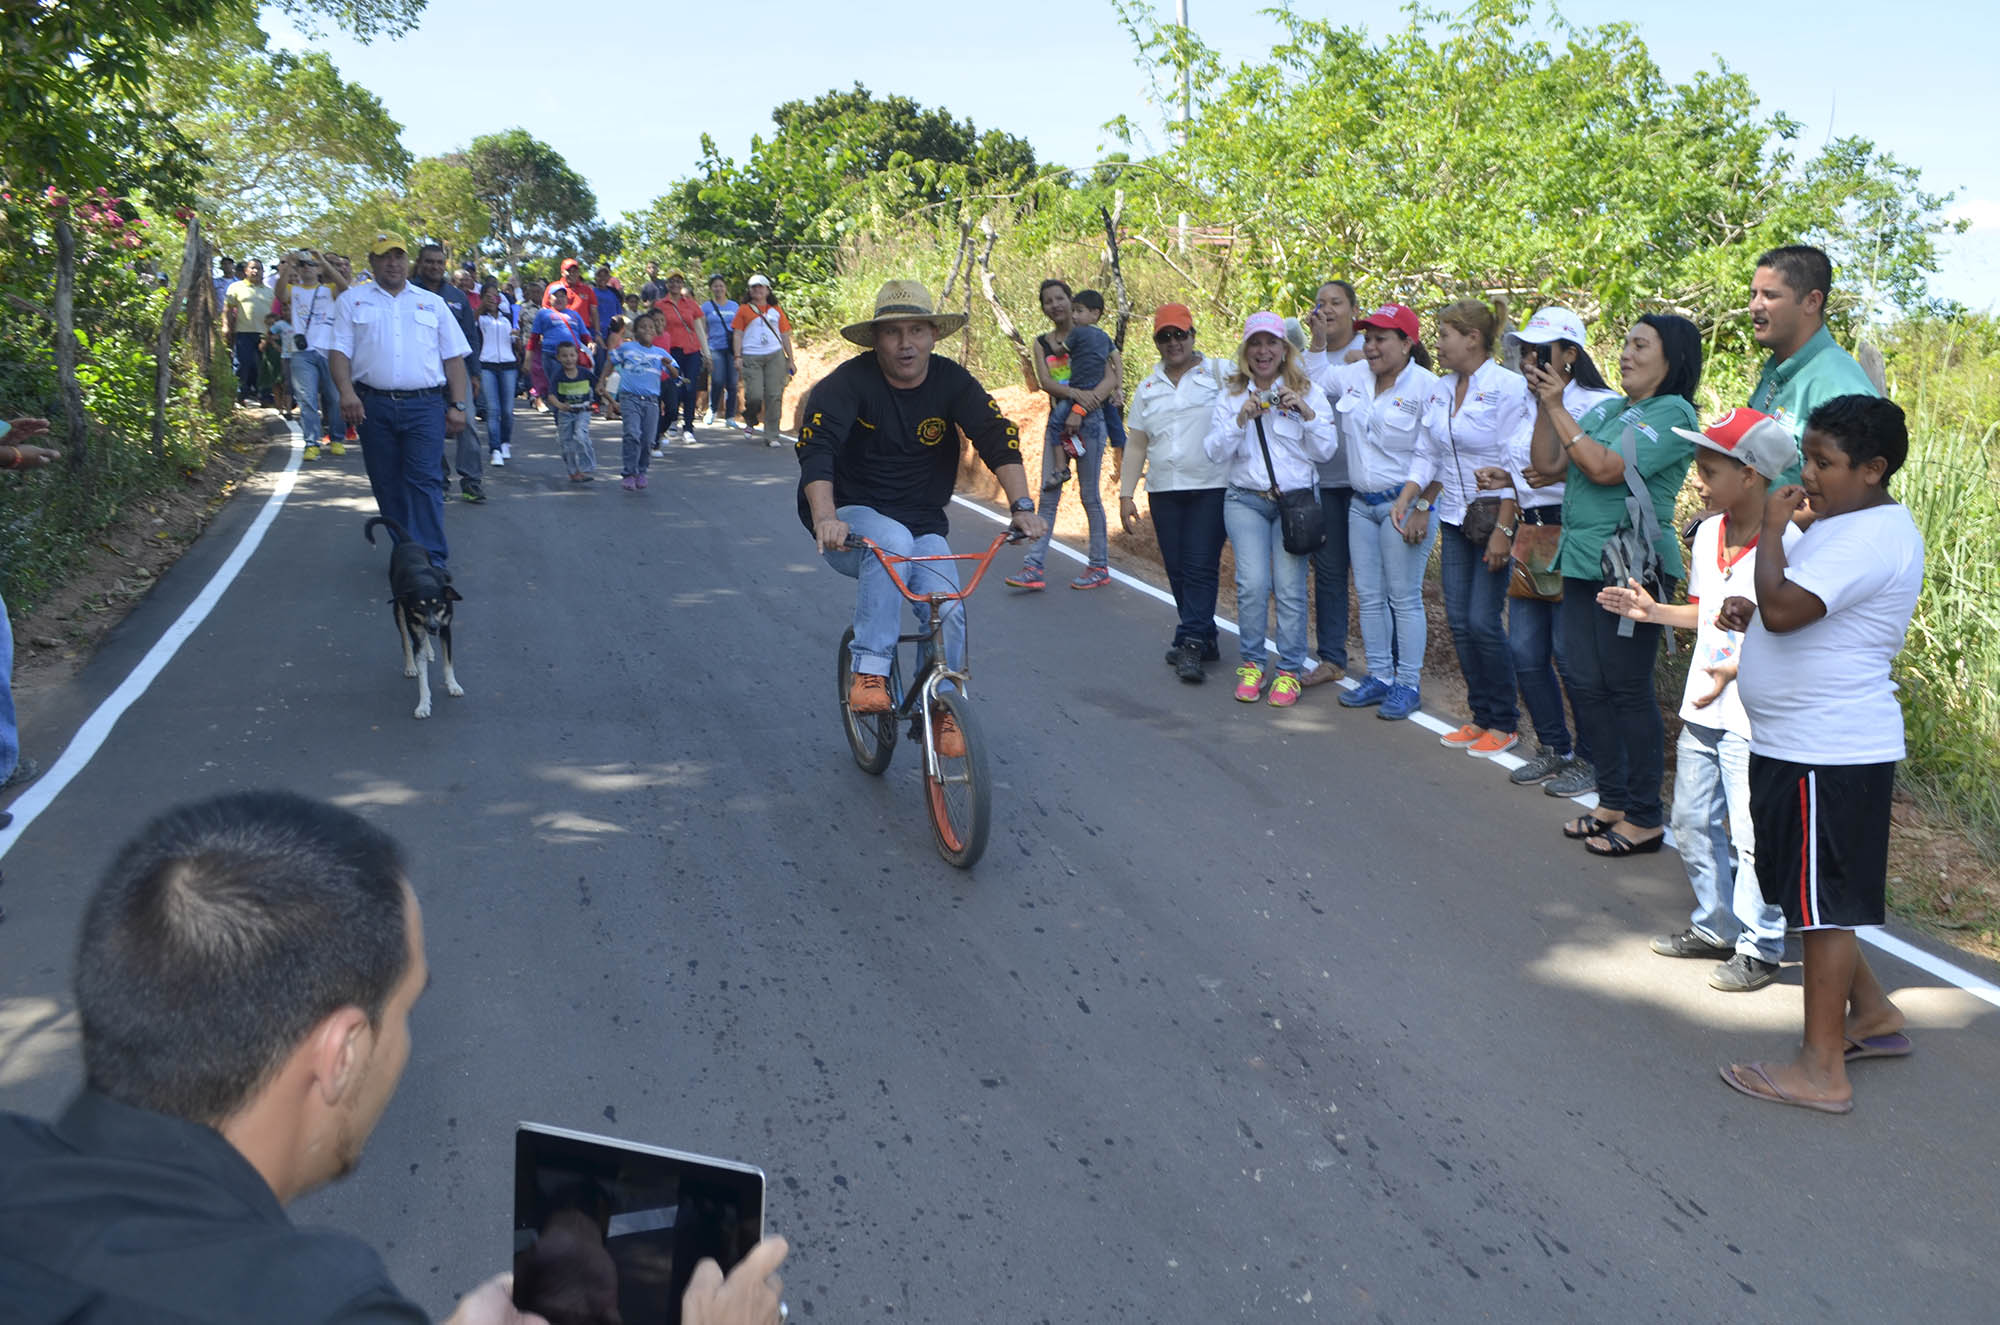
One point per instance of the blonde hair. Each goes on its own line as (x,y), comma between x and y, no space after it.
(1474,317)
(1289,372)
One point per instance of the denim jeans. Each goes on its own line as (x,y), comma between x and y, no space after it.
(677,394)
(1089,476)
(402,448)
(641,416)
(248,362)
(1536,642)
(1264,570)
(1617,709)
(10,735)
(469,450)
(573,434)
(1718,843)
(1475,602)
(1389,582)
(1188,525)
(496,386)
(1330,571)
(722,383)
(878,603)
(313,391)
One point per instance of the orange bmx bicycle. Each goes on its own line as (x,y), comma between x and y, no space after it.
(957,793)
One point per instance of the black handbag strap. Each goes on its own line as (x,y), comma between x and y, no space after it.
(1265,447)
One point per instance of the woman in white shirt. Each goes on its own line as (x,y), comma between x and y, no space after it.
(1271,427)
(1554,339)
(1379,407)
(499,361)
(1335,342)
(1474,411)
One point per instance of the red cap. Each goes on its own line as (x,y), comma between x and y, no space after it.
(570,264)
(1393,317)
(1172,315)
(1751,438)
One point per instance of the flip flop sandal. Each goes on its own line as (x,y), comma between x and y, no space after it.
(1777,1096)
(1622,845)
(1590,825)
(1893,1045)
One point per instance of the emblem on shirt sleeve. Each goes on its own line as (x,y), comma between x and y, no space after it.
(931,431)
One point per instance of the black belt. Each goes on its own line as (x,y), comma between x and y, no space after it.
(418,394)
(1541,515)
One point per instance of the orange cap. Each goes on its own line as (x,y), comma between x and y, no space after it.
(1173,315)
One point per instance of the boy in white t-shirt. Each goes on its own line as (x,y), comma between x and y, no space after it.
(1737,458)
(1826,733)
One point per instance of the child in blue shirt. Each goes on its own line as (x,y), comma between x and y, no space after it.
(641,365)
(572,396)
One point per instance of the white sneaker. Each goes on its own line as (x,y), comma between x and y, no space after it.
(708,419)
(776,441)
(506,450)
(659,452)
(497,459)
(731,424)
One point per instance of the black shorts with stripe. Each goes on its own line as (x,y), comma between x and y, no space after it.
(1822,840)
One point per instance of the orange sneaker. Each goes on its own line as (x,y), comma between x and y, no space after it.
(944,730)
(1491,744)
(869,694)
(1463,738)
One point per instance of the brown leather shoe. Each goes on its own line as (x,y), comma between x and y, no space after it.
(1321,674)
(869,694)
(950,740)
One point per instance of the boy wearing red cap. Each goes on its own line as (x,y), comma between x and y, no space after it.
(1737,459)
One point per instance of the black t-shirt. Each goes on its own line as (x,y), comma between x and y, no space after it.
(114,1214)
(896,451)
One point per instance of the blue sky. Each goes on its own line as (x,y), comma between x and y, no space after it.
(625,92)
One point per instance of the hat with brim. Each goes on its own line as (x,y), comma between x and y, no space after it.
(1548,326)
(387,243)
(902,301)
(1749,437)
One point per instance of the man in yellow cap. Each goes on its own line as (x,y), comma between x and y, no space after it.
(398,361)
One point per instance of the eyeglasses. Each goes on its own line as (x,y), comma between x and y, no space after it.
(1171,333)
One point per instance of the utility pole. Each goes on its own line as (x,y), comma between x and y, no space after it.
(1187,99)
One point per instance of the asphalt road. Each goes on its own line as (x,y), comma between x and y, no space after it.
(1245,1015)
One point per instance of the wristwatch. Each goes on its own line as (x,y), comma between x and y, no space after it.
(1422,504)
(458,405)
(1022,505)
(1508,529)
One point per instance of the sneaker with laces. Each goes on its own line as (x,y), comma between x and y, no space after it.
(1492,744)
(1462,739)
(639,482)
(1285,690)
(629,483)
(1742,973)
(775,442)
(659,452)
(1093,577)
(496,459)
(312,452)
(1028,577)
(869,694)
(25,770)
(476,496)
(1249,683)
(1688,943)
(506,450)
(1187,663)
(1372,690)
(352,436)
(1578,778)
(708,419)
(1401,703)
(337,447)
(945,733)
(1545,765)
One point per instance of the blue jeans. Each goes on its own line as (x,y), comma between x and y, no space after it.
(496,385)
(248,361)
(1114,424)
(1475,601)
(402,448)
(1089,474)
(1330,571)
(1617,709)
(1712,824)
(677,393)
(877,601)
(1188,525)
(470,452)
(313,391)
(722,383)
(1389,582)
(641,416)
(1264,570)
(573,435)
(1536,643)
(10,735)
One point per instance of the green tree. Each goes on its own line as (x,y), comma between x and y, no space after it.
(537,203)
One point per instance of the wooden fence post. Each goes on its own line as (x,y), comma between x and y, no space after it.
(77,443)
(1007,327)
(163,350)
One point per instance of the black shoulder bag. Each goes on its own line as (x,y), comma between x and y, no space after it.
(1299,515)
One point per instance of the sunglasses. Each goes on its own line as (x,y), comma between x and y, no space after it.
(1171,333)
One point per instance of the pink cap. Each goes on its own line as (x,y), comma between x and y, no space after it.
(1268,323)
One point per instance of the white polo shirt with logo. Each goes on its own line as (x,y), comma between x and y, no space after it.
(397,342)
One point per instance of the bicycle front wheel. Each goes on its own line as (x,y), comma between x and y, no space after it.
(871,736)
(959,796)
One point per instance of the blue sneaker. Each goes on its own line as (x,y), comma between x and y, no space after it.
(1400,704)
(1371,691)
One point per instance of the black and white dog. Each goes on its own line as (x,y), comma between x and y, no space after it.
(421,597)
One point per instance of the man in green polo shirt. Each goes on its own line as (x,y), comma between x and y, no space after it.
(1788,317)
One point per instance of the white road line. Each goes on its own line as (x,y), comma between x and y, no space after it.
(1877,937)
(90,737)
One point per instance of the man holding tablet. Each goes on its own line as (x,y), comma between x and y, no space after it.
(244,985)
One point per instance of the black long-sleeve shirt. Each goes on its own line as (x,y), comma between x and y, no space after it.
(896,450)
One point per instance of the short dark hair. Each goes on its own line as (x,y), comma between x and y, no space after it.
(1864,427)
(430,246)
(1053,283)
(1680,340)
(1090,299)
(1804,269)
(221,935)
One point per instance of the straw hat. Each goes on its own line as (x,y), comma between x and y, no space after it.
(901,301)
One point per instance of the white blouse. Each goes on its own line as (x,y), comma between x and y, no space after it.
(1463,438)
(1579,401)
(1297,445)
(1379,431)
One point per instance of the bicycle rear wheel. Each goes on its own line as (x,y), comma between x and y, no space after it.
(871,736)
(960,797)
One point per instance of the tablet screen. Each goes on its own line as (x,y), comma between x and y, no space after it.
(608,1231)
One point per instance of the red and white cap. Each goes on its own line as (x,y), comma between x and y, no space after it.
(1752,438)
(1393,317)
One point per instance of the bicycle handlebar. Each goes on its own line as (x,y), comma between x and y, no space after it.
(890,560)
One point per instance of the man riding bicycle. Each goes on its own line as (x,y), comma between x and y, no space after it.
(878,457)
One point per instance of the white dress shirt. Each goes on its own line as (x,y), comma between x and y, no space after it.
(397,342)
(1379,431)
(1297,445)
(1174,418)
(1579,401)
(1463,438)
